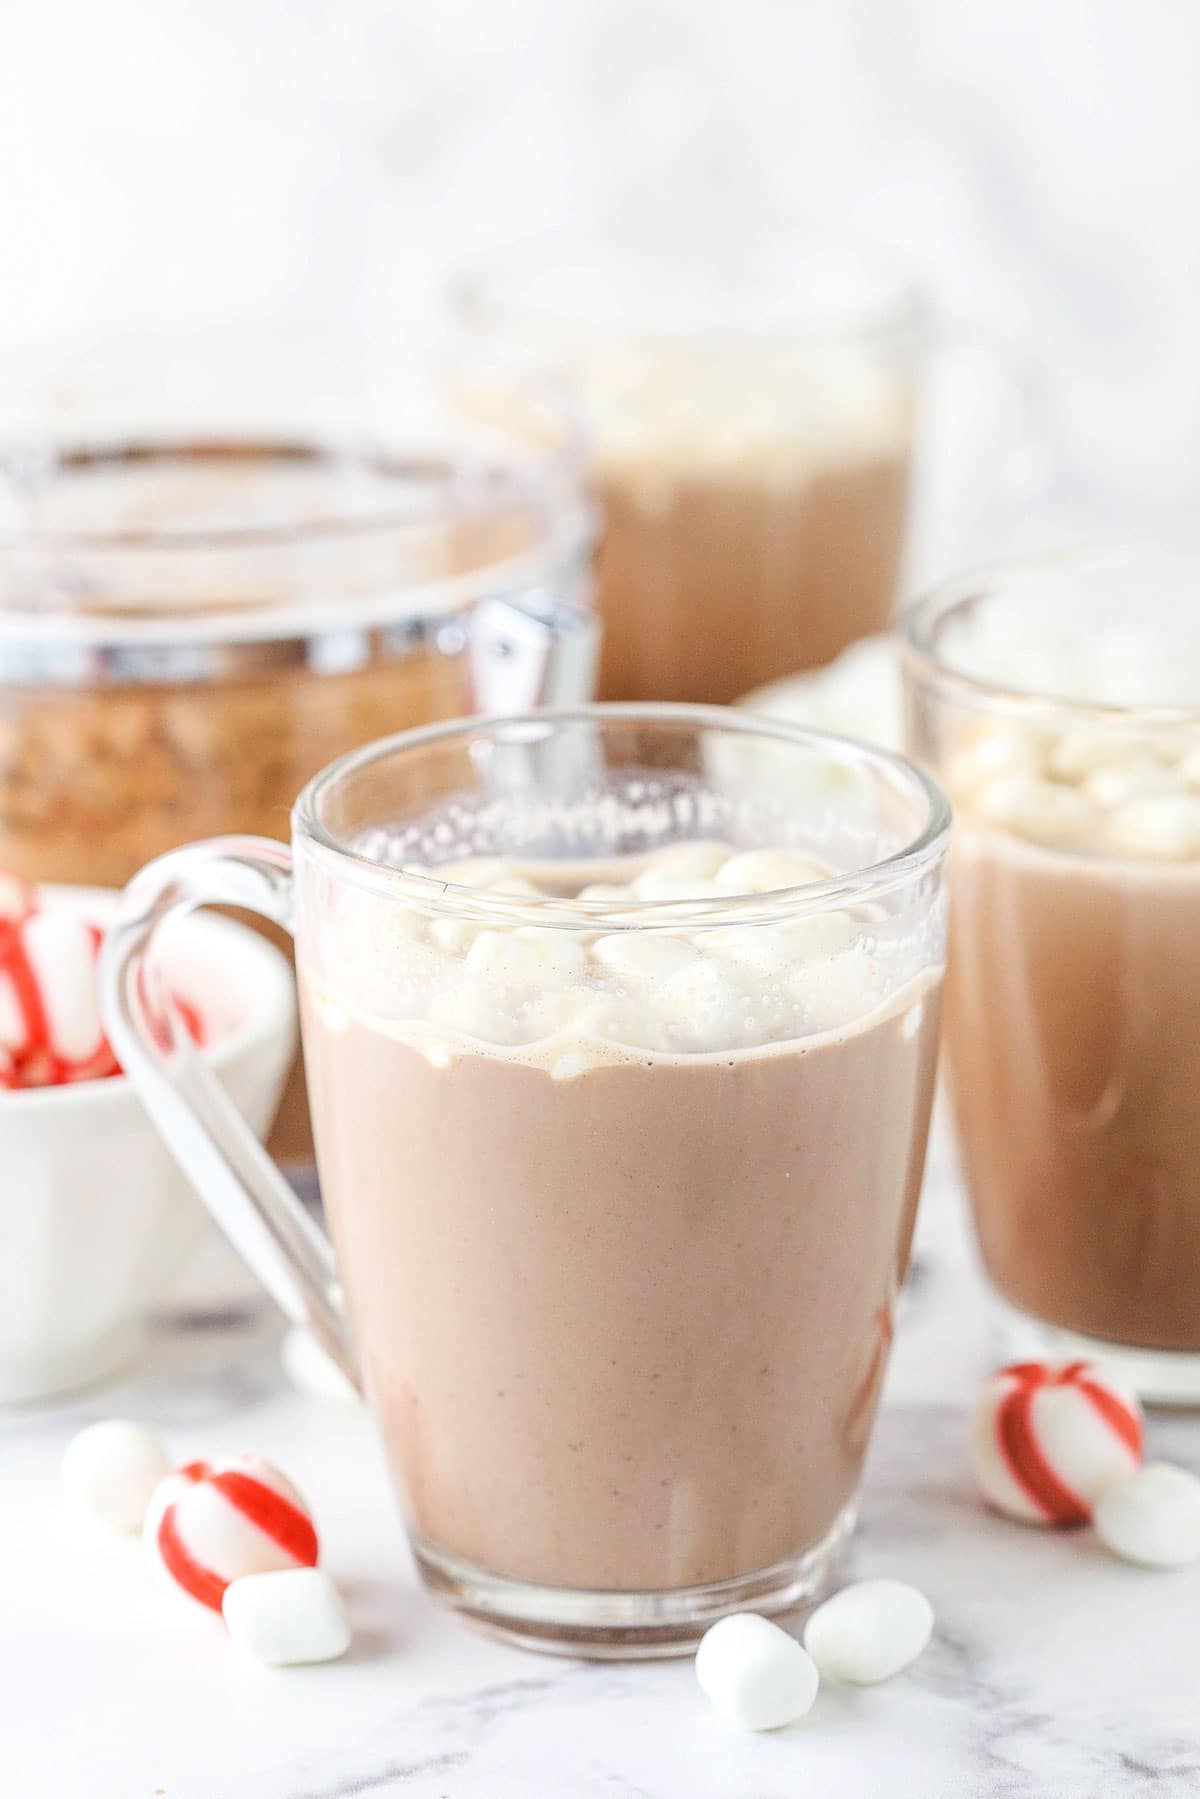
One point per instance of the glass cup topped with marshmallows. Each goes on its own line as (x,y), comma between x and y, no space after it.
(620,1027)
(1059,702)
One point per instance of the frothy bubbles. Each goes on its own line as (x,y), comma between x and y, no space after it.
(569,997)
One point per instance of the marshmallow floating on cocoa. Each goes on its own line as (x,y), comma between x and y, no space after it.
(754,1673)
(1047,1439)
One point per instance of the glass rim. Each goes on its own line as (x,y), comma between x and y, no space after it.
(916,857)
(487,290)
(563,518)
(923,661)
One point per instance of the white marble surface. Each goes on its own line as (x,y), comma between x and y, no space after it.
(1055,1673)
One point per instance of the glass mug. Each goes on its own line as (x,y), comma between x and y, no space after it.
(620,1026)
(758,403)
(1058,699)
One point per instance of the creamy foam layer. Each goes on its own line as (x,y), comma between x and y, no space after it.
(569,997)
(704,416)
(1113,791)
(1115,628)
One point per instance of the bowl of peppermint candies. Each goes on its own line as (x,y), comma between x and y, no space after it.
(96,1220)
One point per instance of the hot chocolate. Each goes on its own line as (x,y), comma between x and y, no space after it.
(620,1026)
(715,579)
(1076,925)
(1056,699)
(621,1217)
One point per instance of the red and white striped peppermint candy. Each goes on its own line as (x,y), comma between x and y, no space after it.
(50,1023)
(1048,1438)
(210,1523)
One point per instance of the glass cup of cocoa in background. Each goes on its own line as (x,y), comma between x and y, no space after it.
(221,568)
(1058,701)
(621,1028)
(751,405)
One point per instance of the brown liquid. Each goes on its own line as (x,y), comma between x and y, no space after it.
(1073,1034)
(625,1330)
(712,585)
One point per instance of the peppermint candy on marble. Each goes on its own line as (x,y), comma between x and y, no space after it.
(1047,1439)
(212,1523)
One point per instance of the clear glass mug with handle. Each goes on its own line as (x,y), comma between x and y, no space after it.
(620,1027)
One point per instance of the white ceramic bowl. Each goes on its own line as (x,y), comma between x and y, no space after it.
(96,1219)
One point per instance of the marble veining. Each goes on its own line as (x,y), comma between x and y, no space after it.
(1055,1672)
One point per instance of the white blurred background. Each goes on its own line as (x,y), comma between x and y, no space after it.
(201,164)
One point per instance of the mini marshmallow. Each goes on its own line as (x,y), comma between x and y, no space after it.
(703,1002)
(769,949)
(453,935)
(1165,825)
(869,1631)
(754,1673)
(768,871)
(643,955)
(604,1018)
(111,1470)
(1036,809)
(1153,1518)
(312,1370)
(696,861)
(1134,776)
(1076,754)
(837,990)
(654,885)
(766,951)
(288,1617)
(1189,767)
(1047,1440)
(472,1006)
(531,956)
(993,753)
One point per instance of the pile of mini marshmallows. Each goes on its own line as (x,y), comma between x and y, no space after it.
(234,1536)
(677,988)
(1059,1444)
(1084,789)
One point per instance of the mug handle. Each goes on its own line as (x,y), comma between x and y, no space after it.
(217,1150)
